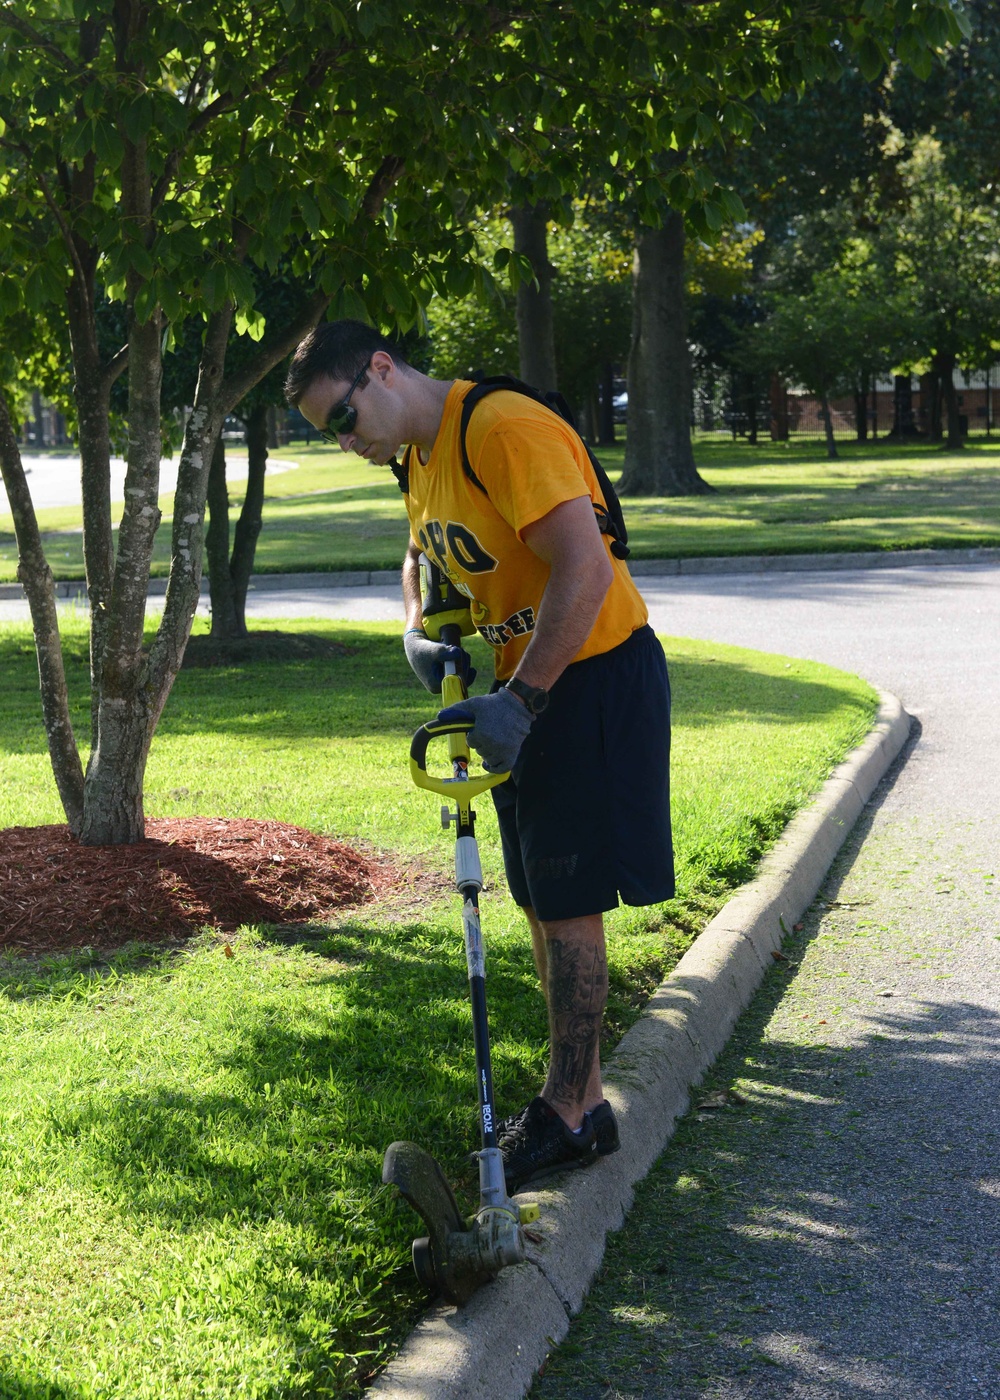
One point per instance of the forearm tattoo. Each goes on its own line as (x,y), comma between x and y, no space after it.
(578,992)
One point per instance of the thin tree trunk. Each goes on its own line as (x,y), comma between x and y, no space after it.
(930,404)
(535,329)
(113,808)
(751,402)
(827,417)
(35,577)
(229,576)
(251,520)
(220,582)
(778,397)
(659,460)
(944,368)
(861,413)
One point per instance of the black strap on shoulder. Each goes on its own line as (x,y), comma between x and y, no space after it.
(401,471)
(610,519)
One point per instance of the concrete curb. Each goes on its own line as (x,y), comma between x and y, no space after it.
(639,568)
(491,1349)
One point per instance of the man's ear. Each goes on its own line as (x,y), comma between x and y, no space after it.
(383,365)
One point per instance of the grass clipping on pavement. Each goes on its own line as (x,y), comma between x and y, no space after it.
(192,1142)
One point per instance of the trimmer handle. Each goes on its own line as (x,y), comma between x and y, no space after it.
(446,787)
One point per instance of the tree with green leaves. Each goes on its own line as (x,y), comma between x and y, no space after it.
(942,238)
(162,156)
(165,158)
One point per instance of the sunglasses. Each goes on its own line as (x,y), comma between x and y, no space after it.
(343,415)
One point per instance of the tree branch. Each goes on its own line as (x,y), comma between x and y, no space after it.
(223,103)
(380,184)
(35,577)
(272,352)
(22,27)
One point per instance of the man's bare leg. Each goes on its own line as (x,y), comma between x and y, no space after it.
(572,964)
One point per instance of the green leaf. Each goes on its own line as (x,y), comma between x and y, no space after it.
(250,323)
(10,296)
(145,302)
(140,260)
(137,118)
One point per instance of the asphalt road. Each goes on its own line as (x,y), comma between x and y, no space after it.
(834,1232)
(55,478)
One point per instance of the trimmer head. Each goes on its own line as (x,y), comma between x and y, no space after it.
(455,1258)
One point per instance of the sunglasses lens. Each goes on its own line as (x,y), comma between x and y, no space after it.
(341,420)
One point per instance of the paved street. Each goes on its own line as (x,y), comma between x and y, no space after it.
(834,1232)
(55,478)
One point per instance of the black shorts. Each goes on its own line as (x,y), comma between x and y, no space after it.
(585,815)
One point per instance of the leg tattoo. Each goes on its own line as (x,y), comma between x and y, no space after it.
(578,991)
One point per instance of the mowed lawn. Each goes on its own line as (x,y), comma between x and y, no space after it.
(335,512)
(191,1143)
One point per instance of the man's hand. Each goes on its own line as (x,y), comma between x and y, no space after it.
(501,727)
(428,659)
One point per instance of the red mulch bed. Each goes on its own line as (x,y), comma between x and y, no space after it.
(188,873)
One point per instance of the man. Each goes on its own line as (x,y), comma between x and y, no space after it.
(580,710)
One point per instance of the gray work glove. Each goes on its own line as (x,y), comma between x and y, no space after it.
(427,660)
(501,727)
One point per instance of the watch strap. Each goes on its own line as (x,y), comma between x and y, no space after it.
(534,697)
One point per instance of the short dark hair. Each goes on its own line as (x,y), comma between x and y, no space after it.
(339,350)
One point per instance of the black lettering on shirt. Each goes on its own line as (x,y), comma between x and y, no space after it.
(466,550)
(519,624)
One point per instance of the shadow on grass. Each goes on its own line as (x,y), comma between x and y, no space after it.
(370,694)
(315,1102)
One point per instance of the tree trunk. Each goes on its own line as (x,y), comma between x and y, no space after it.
(113,809)
(229,577)
(944,370)
(220,583)
(778,396)
(861,413)
(248,527)
(606,424)
(112,794)
(659,460)
(827,417)
(930,405)
(903,425)
(751,403)
(35,576)
(535,329)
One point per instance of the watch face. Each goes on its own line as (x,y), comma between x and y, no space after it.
(534,697)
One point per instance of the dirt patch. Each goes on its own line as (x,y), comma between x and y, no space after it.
(188,873)
(266,645)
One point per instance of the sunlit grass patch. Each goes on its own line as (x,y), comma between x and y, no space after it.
(191,1143)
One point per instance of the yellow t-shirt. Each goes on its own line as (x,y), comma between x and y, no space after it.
(530,461)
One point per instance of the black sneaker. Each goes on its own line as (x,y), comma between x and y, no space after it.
(602,1117)
(540,1144)
(605,1129)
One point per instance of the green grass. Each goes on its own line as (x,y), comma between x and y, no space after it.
(191,1144)
(335,512)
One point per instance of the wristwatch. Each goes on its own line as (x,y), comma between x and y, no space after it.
(535,698)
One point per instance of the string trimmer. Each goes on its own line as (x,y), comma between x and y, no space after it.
(457,1256)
